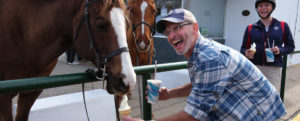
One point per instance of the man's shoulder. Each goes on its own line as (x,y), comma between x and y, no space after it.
(211,50)
(207,52)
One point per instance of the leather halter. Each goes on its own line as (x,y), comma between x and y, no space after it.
(100,61)
(152,29)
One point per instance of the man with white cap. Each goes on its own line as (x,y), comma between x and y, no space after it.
(224,84)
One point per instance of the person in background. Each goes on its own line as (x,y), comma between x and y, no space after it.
(71,54)
(268,34)
(224,84)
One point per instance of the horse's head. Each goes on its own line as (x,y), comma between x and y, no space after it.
(100,36)
(142,14)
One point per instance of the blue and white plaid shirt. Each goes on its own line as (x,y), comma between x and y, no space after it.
(228,87)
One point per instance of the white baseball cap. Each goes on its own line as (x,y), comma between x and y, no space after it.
(178,15)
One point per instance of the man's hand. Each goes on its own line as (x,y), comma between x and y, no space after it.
(164,93)
(128,118)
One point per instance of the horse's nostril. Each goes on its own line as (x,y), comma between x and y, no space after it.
(142,45)
(115,84)
(123,88)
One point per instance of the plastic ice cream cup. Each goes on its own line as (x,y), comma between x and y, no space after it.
(153,90)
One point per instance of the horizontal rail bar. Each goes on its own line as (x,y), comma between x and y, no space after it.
(37,83)
(140,70)
(298,51)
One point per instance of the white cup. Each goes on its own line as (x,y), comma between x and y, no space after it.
(153,90)
(269,55)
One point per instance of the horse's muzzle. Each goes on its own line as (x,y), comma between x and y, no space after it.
(115,85)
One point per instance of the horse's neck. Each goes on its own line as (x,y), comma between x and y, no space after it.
(36,32)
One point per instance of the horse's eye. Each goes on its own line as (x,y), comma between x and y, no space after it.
(102,24)
(130,9)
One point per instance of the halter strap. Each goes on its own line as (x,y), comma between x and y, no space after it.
(152,28)
(88,3)
(116,52)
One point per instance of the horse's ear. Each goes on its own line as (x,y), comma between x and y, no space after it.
(128,1)
(129,8)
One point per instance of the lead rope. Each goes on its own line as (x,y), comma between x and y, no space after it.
(116,108)
(89,71)
(104,73)
(84,101)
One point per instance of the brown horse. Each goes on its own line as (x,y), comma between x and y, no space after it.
(142,16)
(140,35)
(34,33)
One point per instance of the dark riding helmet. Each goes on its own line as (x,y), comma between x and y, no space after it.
(270,1)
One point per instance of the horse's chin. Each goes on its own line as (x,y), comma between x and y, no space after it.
(114,92)
(116,88)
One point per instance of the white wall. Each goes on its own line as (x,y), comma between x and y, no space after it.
(207,15)
(296,58)
(236,23)
(70,107)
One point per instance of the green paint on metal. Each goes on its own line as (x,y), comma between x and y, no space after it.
(140,70)
(283,76)
(37,83)
(147,107)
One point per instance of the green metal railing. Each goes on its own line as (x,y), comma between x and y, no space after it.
(283,77)
(18,85)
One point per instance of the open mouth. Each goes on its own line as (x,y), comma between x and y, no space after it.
(178,42)
(264,13)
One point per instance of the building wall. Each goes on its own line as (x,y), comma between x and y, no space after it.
(209,14)
(235,23)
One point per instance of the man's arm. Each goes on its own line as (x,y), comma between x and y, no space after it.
(183,91)
(181,116)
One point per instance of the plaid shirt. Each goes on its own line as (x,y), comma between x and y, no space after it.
(227,86)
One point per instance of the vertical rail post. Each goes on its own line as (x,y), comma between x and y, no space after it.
(283,76)
(147,109)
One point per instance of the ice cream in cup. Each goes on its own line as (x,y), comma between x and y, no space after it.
(153,90)
(253,48)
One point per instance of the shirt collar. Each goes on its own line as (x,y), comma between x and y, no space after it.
(199,43)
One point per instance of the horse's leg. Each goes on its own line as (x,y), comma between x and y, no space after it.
(6,107)
(25,102)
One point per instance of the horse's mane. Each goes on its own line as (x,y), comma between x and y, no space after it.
(107,4)
(151,3)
